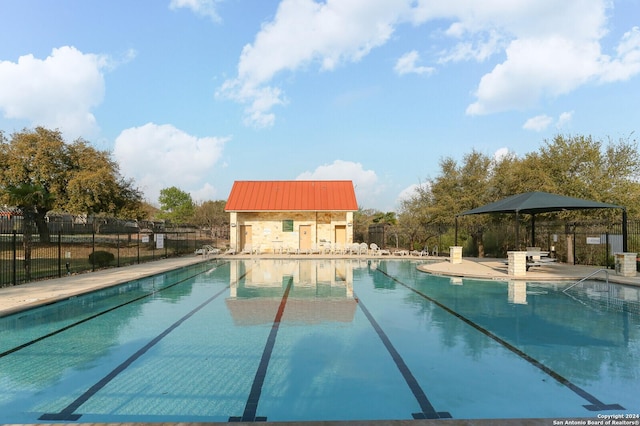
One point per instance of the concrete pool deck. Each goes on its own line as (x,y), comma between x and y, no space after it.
(25,296)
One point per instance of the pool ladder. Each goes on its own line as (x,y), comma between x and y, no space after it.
(606,271)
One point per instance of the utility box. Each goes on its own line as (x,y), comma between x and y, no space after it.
(625,264)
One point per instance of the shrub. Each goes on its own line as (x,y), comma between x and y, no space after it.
(101,258)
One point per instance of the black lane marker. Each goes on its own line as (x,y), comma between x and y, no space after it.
(67,327)
(251,406)
(68,412)
(428,412)
(595,403)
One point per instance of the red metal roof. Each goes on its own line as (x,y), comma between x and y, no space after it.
(292,195)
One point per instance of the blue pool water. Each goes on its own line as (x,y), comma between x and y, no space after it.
(289,340)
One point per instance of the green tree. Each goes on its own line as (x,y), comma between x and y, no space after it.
(362,219)
(575,166)
(74,178)
(176,205)
(459,188)
(211,215)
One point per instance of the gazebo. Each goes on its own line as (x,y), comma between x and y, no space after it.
(542,202)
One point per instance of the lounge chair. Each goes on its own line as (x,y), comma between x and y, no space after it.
(314,249)
(424,252)
(230,251)
(363,249)
(248,249)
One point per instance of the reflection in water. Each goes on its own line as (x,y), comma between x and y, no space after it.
(322,290)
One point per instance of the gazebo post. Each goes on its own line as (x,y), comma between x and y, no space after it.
(533,230)
(517,245)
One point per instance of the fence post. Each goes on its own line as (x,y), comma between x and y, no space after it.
(59,255)
(118,249)
(138,245)
(14,264)
(93,250)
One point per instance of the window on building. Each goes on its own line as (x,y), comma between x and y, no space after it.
(287,225)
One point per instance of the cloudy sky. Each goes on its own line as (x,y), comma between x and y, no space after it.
(199,93)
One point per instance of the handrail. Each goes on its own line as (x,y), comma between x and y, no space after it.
(587,277)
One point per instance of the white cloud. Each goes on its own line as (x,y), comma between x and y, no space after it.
(205,193)
(546,48)
(627,61)
(411,191)
(58,92)
(407,65)
(542,122)
(538,123)
(206,8)
(501,153)
(564,119)
(365,182)
(536,68)
(551,53)
(161,156)
(478,48)
(304,32)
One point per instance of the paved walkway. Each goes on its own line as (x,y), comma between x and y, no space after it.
(24,296)
(496,269)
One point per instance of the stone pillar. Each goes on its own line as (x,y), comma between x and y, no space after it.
(517,263)
(626,264)
(455,254)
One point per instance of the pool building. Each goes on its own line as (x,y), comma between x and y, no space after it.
(285,216)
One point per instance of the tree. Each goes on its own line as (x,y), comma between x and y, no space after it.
(74,178)
(211,215)
(460,188)
(176,205)
(362,219)
(575,166)
(27,198)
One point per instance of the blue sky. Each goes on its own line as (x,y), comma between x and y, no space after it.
(200,93)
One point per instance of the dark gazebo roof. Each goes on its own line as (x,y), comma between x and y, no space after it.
(538,202)
(542,202)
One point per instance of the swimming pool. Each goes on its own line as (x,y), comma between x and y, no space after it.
(339,339)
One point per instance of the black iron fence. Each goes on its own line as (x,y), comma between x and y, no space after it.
(580,243)
(61,253)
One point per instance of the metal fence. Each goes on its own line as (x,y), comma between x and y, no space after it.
(580,243)
(70,253)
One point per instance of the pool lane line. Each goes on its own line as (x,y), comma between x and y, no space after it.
(428,412)
(68,413)
(67,327)
(251,407)
(595,403)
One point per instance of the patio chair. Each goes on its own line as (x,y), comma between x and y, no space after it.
(326,247)
(363,249)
